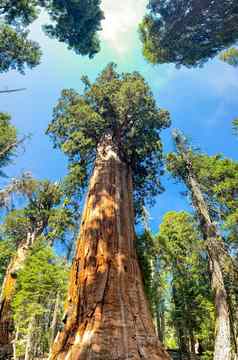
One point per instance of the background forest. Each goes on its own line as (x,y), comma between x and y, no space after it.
(185,180)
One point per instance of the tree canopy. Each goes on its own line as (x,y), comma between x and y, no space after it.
(16,51)
(123,105)
(188,32)
(47,212)
(217,177)
(76,23)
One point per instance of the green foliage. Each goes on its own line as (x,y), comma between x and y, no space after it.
(218,180)
(47,212)
(155,284)
(6,252)
(16,227)
(17,51)
(235,126)
(20,12)
(42,278)
(176,280)
(230,56)
(76,23)
(123,105)
(8,137)
(145,253)
(188,32)
(181,253)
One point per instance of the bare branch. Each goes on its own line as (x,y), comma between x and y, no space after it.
(11,91)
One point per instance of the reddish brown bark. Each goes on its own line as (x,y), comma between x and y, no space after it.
(107,313)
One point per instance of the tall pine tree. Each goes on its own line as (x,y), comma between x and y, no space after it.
(180,164)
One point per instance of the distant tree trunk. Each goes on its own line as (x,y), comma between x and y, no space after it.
(191,340)
(180,329)
(15,345)
(55,319)
(160,321)
(215,247)
(30,340)
(107,313)
(233,323)
(236,332)
(153,304)
(8,291)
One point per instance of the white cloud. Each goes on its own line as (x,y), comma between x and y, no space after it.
(121,22)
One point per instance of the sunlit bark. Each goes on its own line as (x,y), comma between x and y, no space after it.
(107,316)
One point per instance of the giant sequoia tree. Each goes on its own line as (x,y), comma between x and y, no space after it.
(110,134)
(181,166)
(188,32)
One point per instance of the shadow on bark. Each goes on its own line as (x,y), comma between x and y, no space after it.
(107,313)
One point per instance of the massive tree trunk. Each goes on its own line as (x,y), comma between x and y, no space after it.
(107,314)
(8,291)
(216,253)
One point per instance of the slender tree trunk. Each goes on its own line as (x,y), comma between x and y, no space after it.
(236,332)
(15,345)
(8,291)
(30,340)
(180,329)
(153,305)
(160,321)
(214,246)
(233,321)
(53,326)
(107,313)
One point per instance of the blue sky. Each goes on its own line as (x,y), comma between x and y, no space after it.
(202,102)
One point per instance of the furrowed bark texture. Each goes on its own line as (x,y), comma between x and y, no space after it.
(7,294)
(107,313)
(216,254)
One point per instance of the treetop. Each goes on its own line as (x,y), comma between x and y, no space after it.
(122,104)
